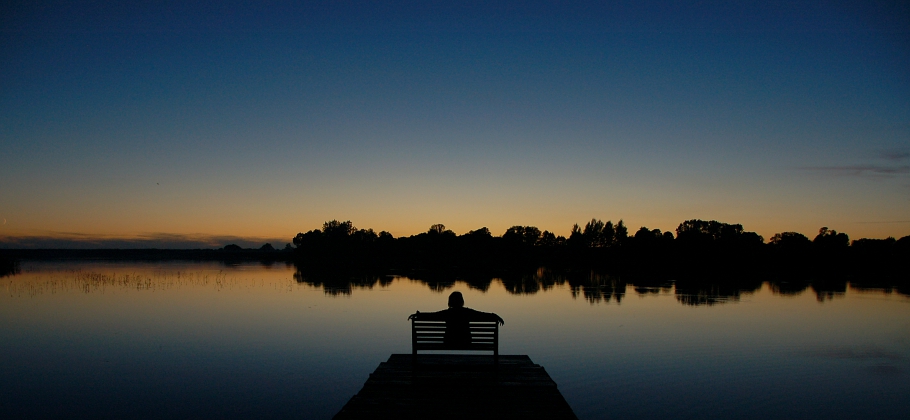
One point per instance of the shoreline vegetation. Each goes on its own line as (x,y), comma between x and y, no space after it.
(707,261)
(598,259)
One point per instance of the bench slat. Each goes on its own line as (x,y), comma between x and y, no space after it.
(440,340)
(430,335)
(441,346)
(442,327)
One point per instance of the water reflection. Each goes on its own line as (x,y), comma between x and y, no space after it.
(597,287)
(341,282)
(98,282)
(705,292)
(824,289)
(592,286)
(208,340)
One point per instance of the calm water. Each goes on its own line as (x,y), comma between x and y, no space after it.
(184,340)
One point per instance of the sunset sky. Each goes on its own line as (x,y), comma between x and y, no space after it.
(175,125)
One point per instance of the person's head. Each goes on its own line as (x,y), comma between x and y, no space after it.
(456,300)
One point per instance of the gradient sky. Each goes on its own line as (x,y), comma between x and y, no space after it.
(171,122)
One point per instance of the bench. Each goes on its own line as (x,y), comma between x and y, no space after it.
(430,335)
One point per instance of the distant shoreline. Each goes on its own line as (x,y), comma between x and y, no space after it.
(147,254)
(700,251)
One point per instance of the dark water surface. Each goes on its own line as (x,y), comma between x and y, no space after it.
(204,340)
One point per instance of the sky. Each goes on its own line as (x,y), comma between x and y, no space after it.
(182,125)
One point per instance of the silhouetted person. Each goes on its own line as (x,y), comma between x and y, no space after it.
(457,319)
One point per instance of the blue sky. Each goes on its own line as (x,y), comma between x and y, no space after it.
(220,120)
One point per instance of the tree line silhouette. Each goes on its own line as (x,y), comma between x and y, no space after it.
(705,262)
(708,261)
(697,244)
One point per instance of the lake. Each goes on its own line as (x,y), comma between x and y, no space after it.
(209,340)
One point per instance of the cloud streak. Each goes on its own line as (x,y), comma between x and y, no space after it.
(862,170)
(853,354)
(896,163)
(895,155)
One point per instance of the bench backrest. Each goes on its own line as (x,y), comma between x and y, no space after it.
(430,335)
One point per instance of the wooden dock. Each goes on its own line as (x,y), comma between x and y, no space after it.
(444,386)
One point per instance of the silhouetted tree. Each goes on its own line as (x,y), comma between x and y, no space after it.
(644,234)
(902,246)
(524,235)
(877,256)
(479,233)
(337,230)
(791,241)
(703,252)
(876,245)
(531,235)
(699,232)
(549,239)
(703,231)
(829,238)
(576,238)
(513,235)
(339,244)
(599,234)
(478,240)
(596,234)
(621,234)
(309,238)
(645,238)
(267,247)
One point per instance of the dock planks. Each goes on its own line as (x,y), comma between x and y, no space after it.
(444,386)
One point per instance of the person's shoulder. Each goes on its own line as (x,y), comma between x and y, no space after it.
(475,313)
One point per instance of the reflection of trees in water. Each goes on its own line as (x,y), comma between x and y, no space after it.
(789,287)
(879,285)
(592,285)
(826,288)
(829,289)
(518,284)
(715,292)
(700,292)
(441,280)
(650,290)
(341,282)
(529,282)
(596,287)
(704,296)
(882,290)
(478,281)
(521,283)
